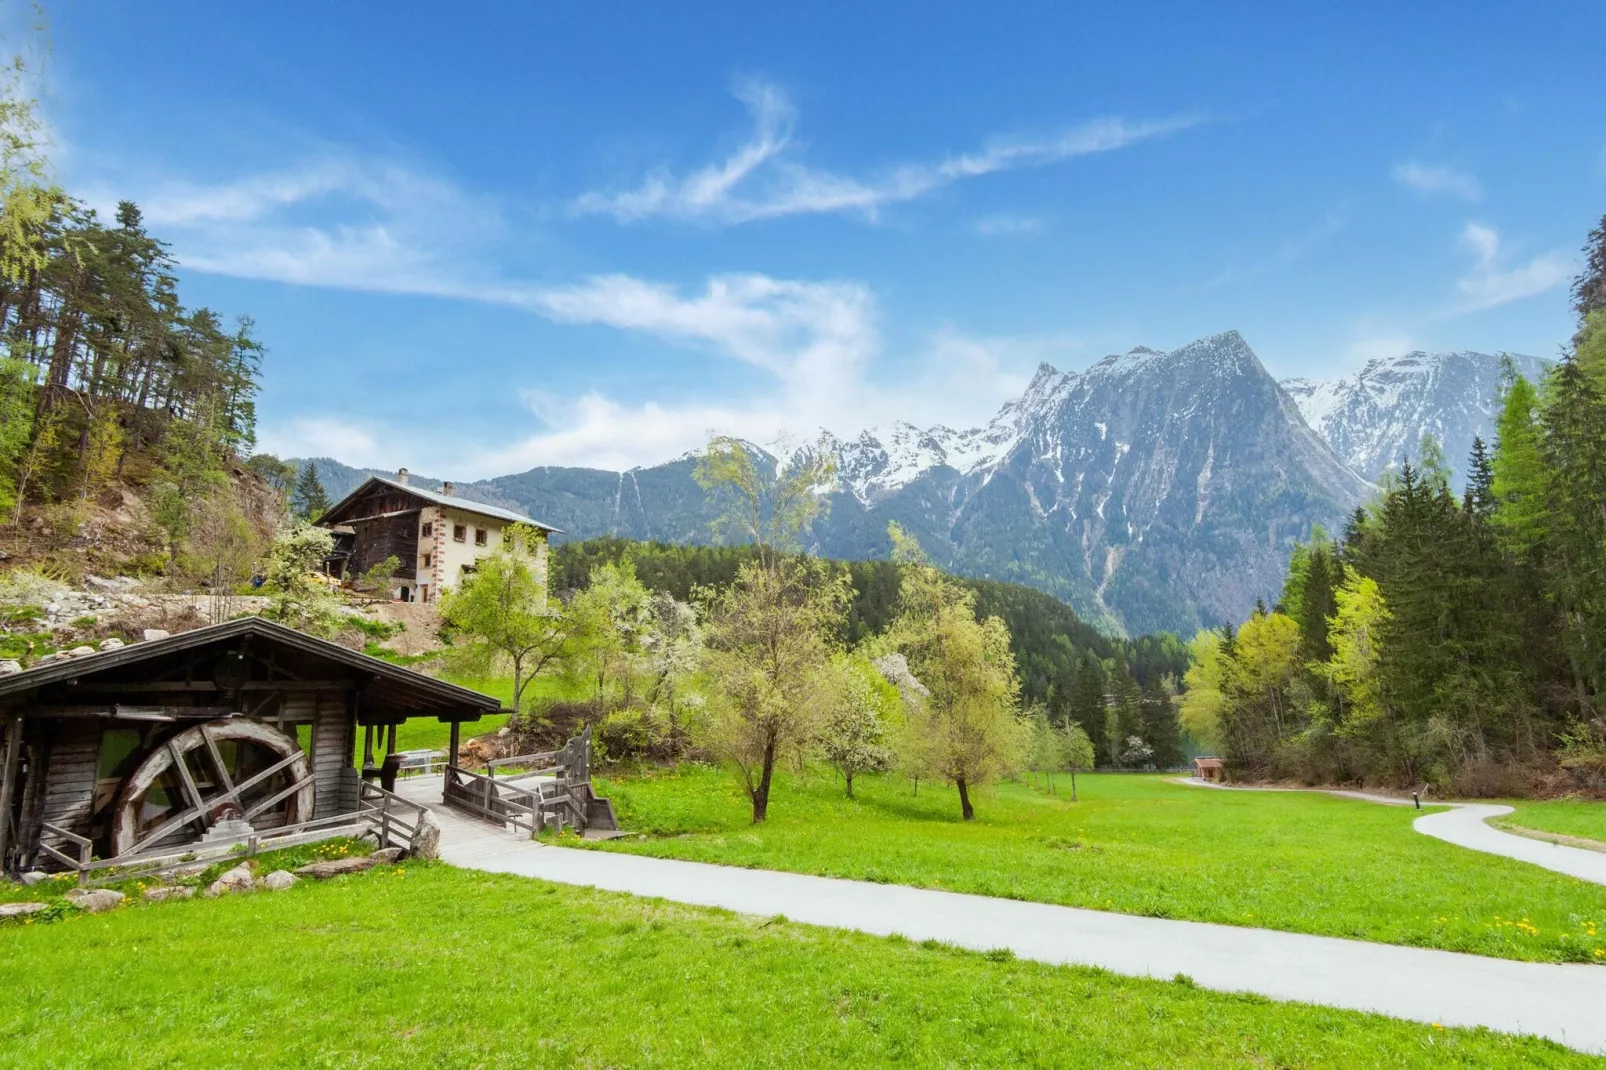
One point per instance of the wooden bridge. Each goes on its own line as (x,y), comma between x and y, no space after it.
(551,789)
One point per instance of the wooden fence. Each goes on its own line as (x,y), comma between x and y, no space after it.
(553,790)
(391,818)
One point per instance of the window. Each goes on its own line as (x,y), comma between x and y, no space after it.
(479,536)
(427,559)
(459,533)
(424,532)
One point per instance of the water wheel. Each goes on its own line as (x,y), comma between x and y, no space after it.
(233,770)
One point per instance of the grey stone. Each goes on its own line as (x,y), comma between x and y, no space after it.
(10,666)
(237,879)
(163,892)
(427,838)
(337,867)
(80,651)
(33,877)
(111,643)
(95,901)
(17,910)
(279,880)
(153,633)
(47,659)
(387,856)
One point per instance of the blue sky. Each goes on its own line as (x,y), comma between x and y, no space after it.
(483,238)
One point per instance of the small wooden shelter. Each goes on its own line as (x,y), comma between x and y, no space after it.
(1207,769)
(240,730)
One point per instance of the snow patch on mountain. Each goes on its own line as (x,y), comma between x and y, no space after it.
(1377,417)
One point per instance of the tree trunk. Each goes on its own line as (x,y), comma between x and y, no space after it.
(965,808)
(849,778)
(1073,785)
(761,797)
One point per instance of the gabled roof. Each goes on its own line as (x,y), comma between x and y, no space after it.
(436,498)
(400,688)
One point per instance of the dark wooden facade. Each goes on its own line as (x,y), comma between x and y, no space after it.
(384,523)
(149,747)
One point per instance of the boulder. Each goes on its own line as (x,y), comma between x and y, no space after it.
(95,901)
(17,910)
(279,880)
(163,892)
(33,877)
(427,839)
(10,666)
(80,651)
(153,633)
(386,857)
(237,879)
(111,643)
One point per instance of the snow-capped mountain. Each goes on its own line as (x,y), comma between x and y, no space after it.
(1377,416)
(1155,490)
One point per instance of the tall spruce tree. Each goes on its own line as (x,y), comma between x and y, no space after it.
(309,500)
(1087,699)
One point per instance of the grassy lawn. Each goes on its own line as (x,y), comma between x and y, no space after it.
(432,966)
(426,732)
(1139,845)
(1565,817)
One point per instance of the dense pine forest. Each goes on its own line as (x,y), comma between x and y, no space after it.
(1114,688)
(1459,642)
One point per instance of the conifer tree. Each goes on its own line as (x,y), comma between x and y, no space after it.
(309,499)
(1087,700)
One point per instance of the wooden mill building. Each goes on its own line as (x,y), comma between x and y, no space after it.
(435,536)
(247,725)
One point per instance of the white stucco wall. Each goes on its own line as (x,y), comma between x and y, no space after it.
(447,555)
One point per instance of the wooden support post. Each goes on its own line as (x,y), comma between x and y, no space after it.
(390,742)
(8,783)
(368,769)
(451,753)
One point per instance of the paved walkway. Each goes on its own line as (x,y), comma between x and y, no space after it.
(1464,824)
(1562,1002)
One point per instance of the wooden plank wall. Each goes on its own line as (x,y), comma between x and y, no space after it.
(332,746)
(69,786)
(390,536)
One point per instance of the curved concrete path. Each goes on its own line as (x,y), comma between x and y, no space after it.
(1561,1002)
(1463,824)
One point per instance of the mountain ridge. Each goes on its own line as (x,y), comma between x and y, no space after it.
(1155,490)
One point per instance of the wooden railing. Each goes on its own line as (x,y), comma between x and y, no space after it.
(561,797)
(393,819)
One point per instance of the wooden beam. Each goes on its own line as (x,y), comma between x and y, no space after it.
(136,713)
(143,686)
(8,783)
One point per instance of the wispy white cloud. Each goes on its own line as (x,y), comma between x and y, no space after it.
(762,180)
(817,341)
(340,220)
(1490,284)
(1008,225)
(1434,179)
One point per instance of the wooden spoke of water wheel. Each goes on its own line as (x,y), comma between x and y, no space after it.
(285,777)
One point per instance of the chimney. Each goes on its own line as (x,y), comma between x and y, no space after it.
(401,476)
(446,489)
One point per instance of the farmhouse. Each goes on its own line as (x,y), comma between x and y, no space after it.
(211,737)
(436,537)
